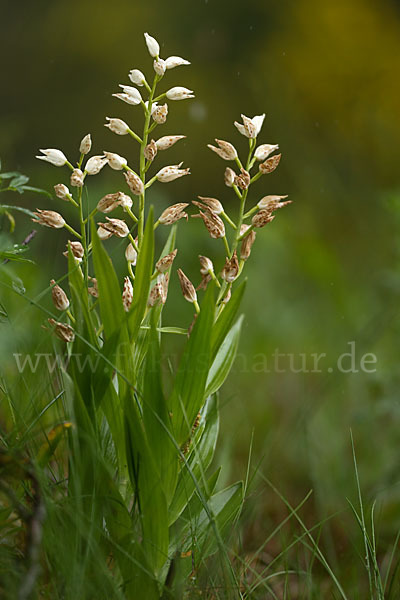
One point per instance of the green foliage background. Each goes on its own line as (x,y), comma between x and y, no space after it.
(325,273)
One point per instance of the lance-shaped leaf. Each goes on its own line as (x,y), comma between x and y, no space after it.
(223,362)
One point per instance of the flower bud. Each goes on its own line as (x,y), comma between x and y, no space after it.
(262,218)
(272,203)
(188,289)
(227,297)
(59,297)
(62,191)
(229,177)
(167,141)
(165,262)
(247,242)
(225,150)
(175,61)
(95,164)
(109,202)
(242,180)
(116,227)
(214,224)
(127,294)
(115,161)
(54,157)
(152,45)
(206,265)
(86,144)
(131,254)
(94,290)
(231,269)
(125,201)
(263,151)
(159,66)
(159,114)
(131,95)
(212,203)
(156,294)
(171,173)
(62,331)
(179,93)
(150,151)
(117,126)
(103,233)
(77,178)
(76,249)
(49,218)
(251,127)
(270,164)
(137,77)
(173,213)
(134,182)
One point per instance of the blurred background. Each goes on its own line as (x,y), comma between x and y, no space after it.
(325,273)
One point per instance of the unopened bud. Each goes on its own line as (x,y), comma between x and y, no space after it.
(109,202)
(62,331)
(150,151)
(117,126)
(165,262)
(76,249)
(49,218)
(95,164)
(77,178)
(115,161)
(59,297)
(231,269)
(243,180)
(93,290)
(131,254)
(159,114)
(116,227)
(262,218)
(103,234)
(272,203)
(137,77)
(127,294)
(152,45)
(229,177)
(175,61)
(270,164)
(225,150)
(54,157)
(206,265)
(135,183)
(247,242)
(159,66)
(188,289)
(167,141)
(263,151)
(86,144)
(212,203)
(171,173)
(62,191)
(174,213)
(227,297)
(179,93)
(214,224)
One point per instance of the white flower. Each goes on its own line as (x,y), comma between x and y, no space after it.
(225,150)
(159,66)
(152,45)
(167,141)
(251,127)
(131,254)
(263,151)
(171,172)
(77,178)
(117,126)
(62,191)
(53,156)
(115,161)
(95,164)
(179,93)
(175,61)
(103,233)
(132,92)
(137,77)
(86,144)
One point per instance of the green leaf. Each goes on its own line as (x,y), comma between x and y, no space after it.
(143,274)
(18,181)
(6,207)
(188,393)
(198,461)
(223,362)
(226,319)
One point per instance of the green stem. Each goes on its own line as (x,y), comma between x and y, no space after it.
(197,307)
(135,136)
(250,212)
(71,230)
(246,233)
(228,219)
(228,252)
(83,238)
(132,241)
(130,213)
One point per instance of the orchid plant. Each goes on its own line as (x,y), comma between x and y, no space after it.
(137,456)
